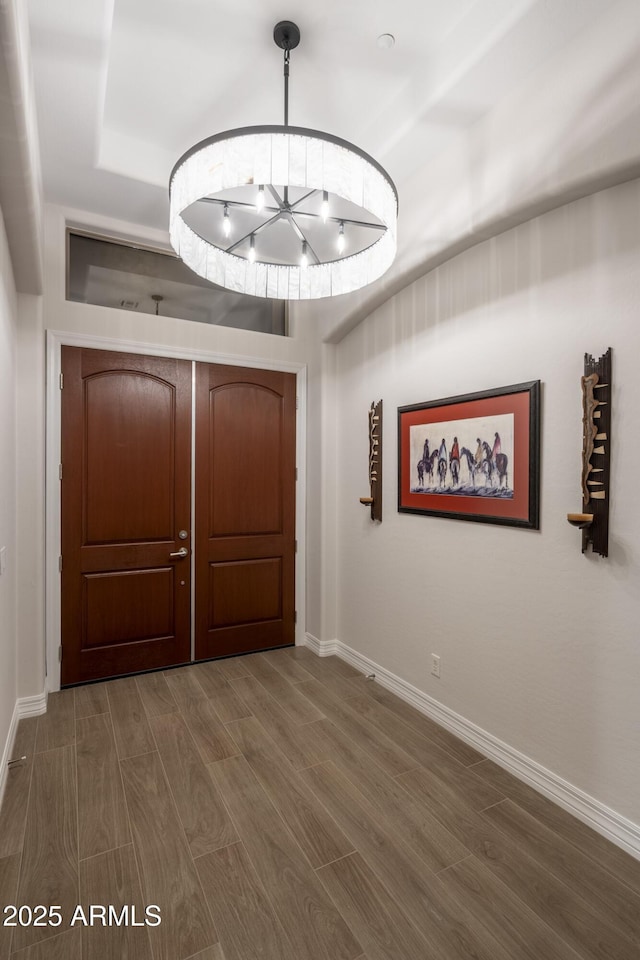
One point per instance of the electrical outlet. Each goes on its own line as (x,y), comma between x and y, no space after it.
(435,665)
(3,560)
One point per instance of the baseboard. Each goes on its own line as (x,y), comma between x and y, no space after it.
(32,706)
(612,825)
(322,648)
(25,707)
(7,753)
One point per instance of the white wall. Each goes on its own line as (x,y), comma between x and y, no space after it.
(57,314)
(8,334)
(30,506)
(540,645)
(20,178)
(569,128)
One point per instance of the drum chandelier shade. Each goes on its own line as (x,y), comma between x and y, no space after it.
(281,211)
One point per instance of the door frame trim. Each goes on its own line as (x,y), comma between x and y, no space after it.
(56,339)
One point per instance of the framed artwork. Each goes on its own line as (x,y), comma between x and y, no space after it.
(473,457)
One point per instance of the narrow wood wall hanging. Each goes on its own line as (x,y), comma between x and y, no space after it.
(596,453)
(375,462)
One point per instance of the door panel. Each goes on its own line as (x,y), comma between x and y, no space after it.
(245,591)
(245,431)
(245,509)
(126,455)
(127,606)
(129,433)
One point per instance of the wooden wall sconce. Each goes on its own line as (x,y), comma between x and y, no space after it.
(375,462)
(596,450)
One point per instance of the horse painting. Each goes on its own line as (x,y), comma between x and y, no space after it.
(452,458)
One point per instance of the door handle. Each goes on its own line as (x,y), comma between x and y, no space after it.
(182,552)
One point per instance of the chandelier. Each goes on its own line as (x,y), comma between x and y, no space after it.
(283,211)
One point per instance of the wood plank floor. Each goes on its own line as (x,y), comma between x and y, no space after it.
(280,807)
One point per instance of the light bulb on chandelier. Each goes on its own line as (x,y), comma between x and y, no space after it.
(324,209)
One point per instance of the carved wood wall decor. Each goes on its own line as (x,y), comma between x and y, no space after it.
(596,452)
(375,462)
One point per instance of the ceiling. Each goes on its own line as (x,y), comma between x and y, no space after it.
(124,87)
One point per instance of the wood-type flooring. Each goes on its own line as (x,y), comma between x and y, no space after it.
(279,806)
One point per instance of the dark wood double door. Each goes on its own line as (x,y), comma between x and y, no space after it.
(130,520)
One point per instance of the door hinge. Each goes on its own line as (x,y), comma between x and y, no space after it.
(62,381)
(60,654)
(59,471)
(60,564)
(297,403)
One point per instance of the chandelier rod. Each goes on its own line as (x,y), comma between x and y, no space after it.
(252,233)
(286,86)
(276,196)
(353,223)
(286,35)
(251,205)
(303,239)
(287,53)
(237,203)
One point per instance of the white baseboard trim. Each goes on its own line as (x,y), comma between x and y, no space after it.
(612,825)
(7,753)
(25,707)
(322,648)
(32,706)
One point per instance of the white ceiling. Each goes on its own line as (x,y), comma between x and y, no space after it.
(124,87)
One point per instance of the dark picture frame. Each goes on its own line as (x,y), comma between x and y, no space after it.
(473,457)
